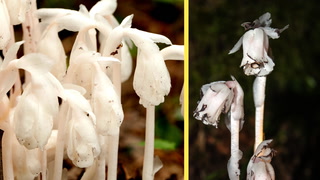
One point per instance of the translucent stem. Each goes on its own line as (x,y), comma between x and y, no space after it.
(149,145)
(58,160)
(113,143)
(8,173)
(233,164)
(30,29)
(259,87)
(43,154)
(101,162)
(113,139)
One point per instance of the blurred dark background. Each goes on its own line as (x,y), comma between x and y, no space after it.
(292,93)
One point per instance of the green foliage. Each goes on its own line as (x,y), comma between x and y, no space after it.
(167,131)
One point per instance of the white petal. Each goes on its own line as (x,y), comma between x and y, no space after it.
(48,13)
(114,40)
(126,63)
(212,103)
(265,19)
(104,8)
(7,80)
(25,117)
(151,77)
(49,41)
(126,22)
(83,145)
(11,54)
(237,46)
(271,32)
(174,52)
(35,63)
(106,104)
(253,44)
(85,41)
(76,101)
(259,171)
(84,11)
(75,22)
(262,145)
(137,35)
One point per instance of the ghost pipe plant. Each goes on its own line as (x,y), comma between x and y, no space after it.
(152,83)
(256,62)
(151,77)
(224,97)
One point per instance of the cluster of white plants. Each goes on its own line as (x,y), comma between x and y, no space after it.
(54,107)
(227,97)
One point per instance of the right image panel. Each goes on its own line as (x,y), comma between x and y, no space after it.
(253,89)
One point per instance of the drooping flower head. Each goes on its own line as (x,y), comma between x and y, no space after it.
(259,166)
(151,77)
(255,41)
(33,114)
(82,139)
(217,98)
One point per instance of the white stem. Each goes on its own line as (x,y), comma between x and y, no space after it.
(43,154)
(58,160)
(149,145)
(259,87)
(101,162)
(113,143)
(236,154)
(8,173)
(113,139)
(30,28)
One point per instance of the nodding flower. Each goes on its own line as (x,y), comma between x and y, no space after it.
(151,77)
(259,166)
(82,139)
(217,98)
(33,115)
(255,41)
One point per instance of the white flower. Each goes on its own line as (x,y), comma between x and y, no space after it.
(33,116)
(259,167)
(151,79)
(105,103)
(216,98)
(175,52)
(82,139)
(255,43)
(86,69)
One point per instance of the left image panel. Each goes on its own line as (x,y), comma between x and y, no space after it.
(92,89)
